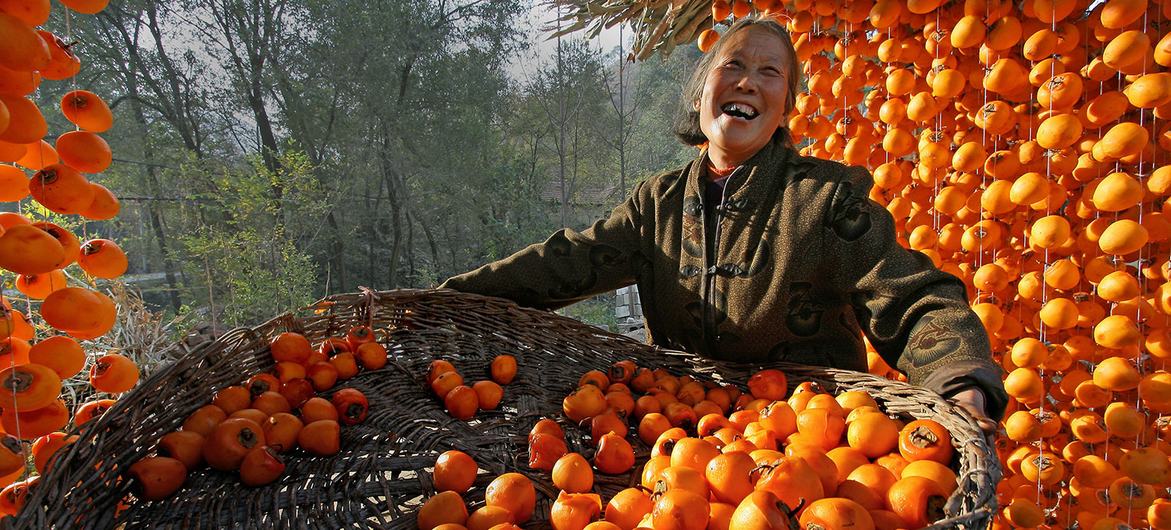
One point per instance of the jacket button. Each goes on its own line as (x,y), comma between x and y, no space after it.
(688,271)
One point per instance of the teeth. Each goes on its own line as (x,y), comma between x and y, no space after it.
(739,109)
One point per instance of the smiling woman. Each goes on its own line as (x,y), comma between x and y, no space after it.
(754,253)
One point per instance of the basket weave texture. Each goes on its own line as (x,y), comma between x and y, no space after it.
(381,476)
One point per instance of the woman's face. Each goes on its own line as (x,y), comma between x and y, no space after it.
(744,96)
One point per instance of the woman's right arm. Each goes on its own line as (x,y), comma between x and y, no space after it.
(568,267)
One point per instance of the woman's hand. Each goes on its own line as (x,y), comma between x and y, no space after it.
(972,399)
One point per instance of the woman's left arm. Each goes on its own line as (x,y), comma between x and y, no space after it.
(915,315)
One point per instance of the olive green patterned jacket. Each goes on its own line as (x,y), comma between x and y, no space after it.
(804,264)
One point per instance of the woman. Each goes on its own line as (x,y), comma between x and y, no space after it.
(755,253)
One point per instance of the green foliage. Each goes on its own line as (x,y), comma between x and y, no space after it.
(276,151)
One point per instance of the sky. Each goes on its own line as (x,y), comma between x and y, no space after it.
(543,50)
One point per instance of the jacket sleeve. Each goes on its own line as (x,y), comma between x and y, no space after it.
(568,267)
(915,315)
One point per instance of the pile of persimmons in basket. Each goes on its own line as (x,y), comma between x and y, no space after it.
(719,459)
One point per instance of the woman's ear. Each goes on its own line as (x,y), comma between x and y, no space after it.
(695,105)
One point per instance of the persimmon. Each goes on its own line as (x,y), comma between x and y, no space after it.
(572,511)
(545,450)
(730,476)
(60,353)
(113,373)
(204,420)
(585,402)
(824,514)
(184,446)
(13,183)
(102,258)
(87,110)
(323,375)
(287,371)
(270,403)
(75,308)
(30,424)
(26,124)
(438,367)
(47,446)
(290,347)
(256,415)
(623,402)
(28,387)
(63,64)
(230,441)
(930,469)
(371,355)
(597,378)
(232,398)
(26,249)
(925,439)
(281,430)
(351,406)
(104,206)
(157,477)
(681,510)
(345,364)
(261,465)
(873,434)
(791,479)
(84,151)
(454,471)
(317,408)
(769,384)
(445,507)
(461,402)
(572,473)
(547,426)
(680,415)
(61,189)
(614,455)
(333,346)
(359,335)
(513,492)
(297,391)
(917,501)
(14,351)
(604,423)
(622,371)
(11,454)
(444,382)
(487,517)
(694,453)
(321,438)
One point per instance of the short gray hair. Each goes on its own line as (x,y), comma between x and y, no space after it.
(687,128)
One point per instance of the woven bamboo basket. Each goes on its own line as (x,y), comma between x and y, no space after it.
(381,476)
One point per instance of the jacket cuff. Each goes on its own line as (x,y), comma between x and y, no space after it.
(958,376)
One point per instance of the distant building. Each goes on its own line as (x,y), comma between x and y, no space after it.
(628,309)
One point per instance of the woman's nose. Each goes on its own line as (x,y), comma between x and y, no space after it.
(746,83)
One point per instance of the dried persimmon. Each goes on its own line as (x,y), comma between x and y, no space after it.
(105,205)
(102,258)
(45,447)
(84,151)
(28,387)
(13,183)
(63,63)
(87,110)
(11,454)
(30,424)
(22,49)
(113,373)
(40,286)
(26,249)
(61,189)
(38,155)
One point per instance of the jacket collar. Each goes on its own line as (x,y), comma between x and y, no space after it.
(765,164)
